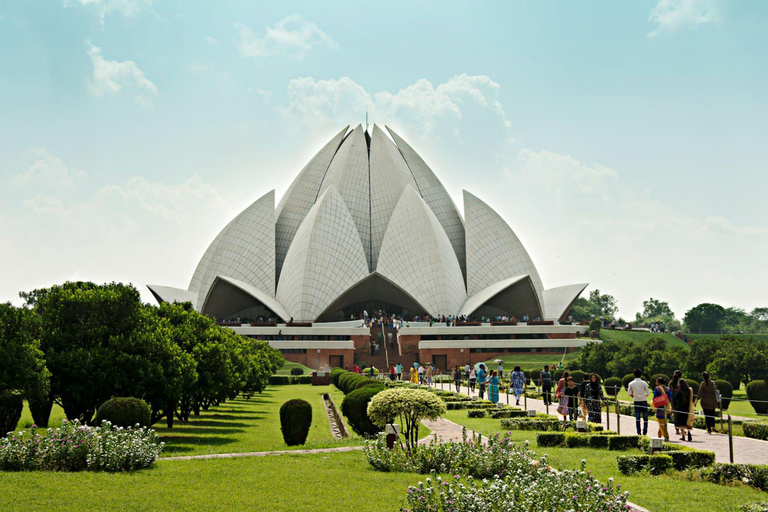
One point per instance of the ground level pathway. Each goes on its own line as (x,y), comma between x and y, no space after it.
(745,450)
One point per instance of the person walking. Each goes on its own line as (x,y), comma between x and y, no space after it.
(472,378)
(428,374)
(662,401)
(571,394)
(594,399)
(517,383)
(457,378)
(392,371)
(638,390)
(421,374)
(546,385)
(467,368)
(562,399)
(500,369)
(683,406)
(414,375)
(481,377)
(583,394)
(674,385)
(708,397)
(398,371)
(493,387)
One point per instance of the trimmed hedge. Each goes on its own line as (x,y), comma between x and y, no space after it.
(507,412)
(612,386)
(476,413)
(726,392)
(655,376)
(694,387)
(755,430)
(295,420)
(578,376)
(124,412)
(355,408)
(689,459)
(655,464)
(335,374)
(546,439)
(752,474)
(627,379)
(623,442)
(757,392)
(11,405)
(284,380)
(539,424)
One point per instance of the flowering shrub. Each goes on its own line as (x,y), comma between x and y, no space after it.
(410,406)
(531,488)
(74,447)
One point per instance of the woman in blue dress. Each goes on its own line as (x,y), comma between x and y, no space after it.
(493,387)
(517,383)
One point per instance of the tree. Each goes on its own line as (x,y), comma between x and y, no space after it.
(653,307)
(598,305)
(705,317)
(701,353)
(410,406)
(760,314)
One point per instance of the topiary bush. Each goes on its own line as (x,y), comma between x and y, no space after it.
(613,386)
(11,405)
(655,376)
(726,392)
(535,376)
(694,387)
(757,392)
(627,379)
(477,413)
(578,376)
(755,430)
(546,439)
(335,374)
(295,420)
(297,371)
(409,406)
(369,383)
(355,408)
(623,442)
(595,325)
(659,464)
(124,412)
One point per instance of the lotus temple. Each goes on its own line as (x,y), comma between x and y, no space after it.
(367,226)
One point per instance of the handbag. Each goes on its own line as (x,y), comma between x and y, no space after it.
(661,401)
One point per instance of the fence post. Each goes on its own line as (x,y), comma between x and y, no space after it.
(525,400)
(608,415)
(721,417)
(730,437)
(618,417)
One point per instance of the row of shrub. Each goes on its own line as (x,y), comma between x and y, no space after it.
(358,390)
(605,439)
(755,430)
(662,461)
(755,475)
(543,423)
(456,405)
(283,380)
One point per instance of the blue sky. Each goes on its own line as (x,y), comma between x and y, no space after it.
(623,141)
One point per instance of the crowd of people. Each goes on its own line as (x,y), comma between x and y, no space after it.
(380,319)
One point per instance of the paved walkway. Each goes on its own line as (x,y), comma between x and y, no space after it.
(745,449)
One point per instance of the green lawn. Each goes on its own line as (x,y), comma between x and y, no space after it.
(287,366)
(639,337)
(531,361)
(658,493)
(755,337)
(326,481)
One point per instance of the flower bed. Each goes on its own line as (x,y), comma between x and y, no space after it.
(532,487)
(74,447)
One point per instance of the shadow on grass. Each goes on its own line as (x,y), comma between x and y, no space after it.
(219,424)
(194,429)
(172,442)
(218,416)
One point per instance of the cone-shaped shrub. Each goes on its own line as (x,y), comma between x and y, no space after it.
(757,392)
(295,420)
(355,408)
(694,387)
(11,405)
(613,385)
(297,371)
(655,376)
(726,392)
(335,374)
(627,379)
(124,412)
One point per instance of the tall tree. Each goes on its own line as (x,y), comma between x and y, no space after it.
(706,317)
(653,307)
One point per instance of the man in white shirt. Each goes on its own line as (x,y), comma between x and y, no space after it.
(638,390)
(421,374)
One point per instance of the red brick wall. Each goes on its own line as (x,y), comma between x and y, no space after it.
(314,360)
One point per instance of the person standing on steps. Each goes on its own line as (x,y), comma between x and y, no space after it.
(683,406)
(481,375)
(517,383)
(708,397)
(546,385)
(662,401)
(638,390)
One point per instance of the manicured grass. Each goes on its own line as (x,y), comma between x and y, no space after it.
(659,493)
(639,337)
(754,337)
(252,425)
(529,362)
(325,481)
(287,366)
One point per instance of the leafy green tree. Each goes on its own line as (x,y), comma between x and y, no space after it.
(598,305)
(705,317)
(23,363)
(653,307)
(760,314)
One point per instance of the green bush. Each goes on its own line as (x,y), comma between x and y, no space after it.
(297,371)
(11,405)
(535,375)
(689,459)
(355,408)
(659,464)
(755,507)
(623,442)
(757,392)
(578,376)
(631,464)
(751,474)
(726,392)
(613,386)
(655,376)
(335,374)
(627,379)
(539,424)
(546,439)
(755,430)
(595,325)
(124,412)
(476,413)
(694,387)
(295,420)
(40,410)
(598,441)
(573,440)
(369,383)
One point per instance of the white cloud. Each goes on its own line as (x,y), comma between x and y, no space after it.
(289,37)
(104,7)
(111,77)
(420,106)
(211,40)
(672,16)
(49,173)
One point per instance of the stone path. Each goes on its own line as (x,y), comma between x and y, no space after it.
(264,454)
(745,449)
